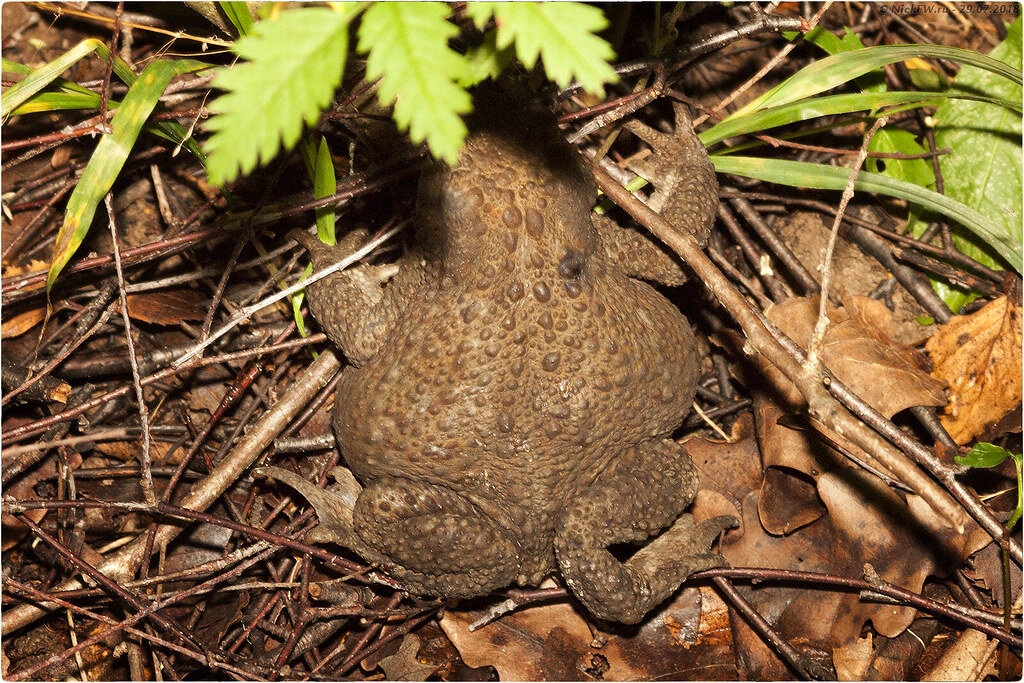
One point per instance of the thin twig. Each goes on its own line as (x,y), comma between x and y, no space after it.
(771,64)
(818,336)
(122,564)
(288,291)
(146,461)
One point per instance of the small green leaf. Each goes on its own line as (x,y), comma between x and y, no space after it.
(407,48)
(984,168)
(74,96)
(803,174)
(895,140)
(562,34)
(237,13)
(48,73)
(873,81)
(112,151)
(297,299)
(320,169)
(813,107)
(984,455)
(295,64)
(925,320)
(990,455)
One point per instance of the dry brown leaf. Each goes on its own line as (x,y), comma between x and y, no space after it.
(858,348)
(853,659)
(34,266)
(128,451)
(860,520)
(404,665)
(687,639)
(21,323)
(166,307)
(979,355)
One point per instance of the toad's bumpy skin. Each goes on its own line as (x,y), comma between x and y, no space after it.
(513,386)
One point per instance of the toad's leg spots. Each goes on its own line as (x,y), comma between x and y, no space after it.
(630,503)
(352,307)
(682,173)
(637,255)
(441,543)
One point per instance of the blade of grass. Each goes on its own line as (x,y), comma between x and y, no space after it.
(62,83)
(809,108)
(801,174)
(837,69)
(110,155)
(238,14)
(78,97)
(48,73)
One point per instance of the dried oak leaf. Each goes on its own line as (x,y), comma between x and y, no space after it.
(859,350)
(979,355)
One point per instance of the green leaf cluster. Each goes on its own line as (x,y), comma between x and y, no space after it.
(42,90)
(294,63)
(797,99)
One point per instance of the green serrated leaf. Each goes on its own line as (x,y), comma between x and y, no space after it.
(107,160)
(295,63)
(407,48)
(563,35)
(803,174)
(480,13)
(983,169)
(486,61)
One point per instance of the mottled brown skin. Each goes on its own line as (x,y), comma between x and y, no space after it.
(513,386)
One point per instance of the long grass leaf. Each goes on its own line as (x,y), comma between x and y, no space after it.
(837,69)
(803,174)
(48,73)
(814,107)
(109,157)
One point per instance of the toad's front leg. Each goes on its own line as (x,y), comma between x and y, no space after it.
(645,493)
(686,195)
(355,308)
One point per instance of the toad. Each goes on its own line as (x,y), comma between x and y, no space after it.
(514,382)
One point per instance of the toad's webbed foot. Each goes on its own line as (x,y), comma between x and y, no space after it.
(686,190)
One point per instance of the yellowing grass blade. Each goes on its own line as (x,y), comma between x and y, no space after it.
(110,155)
(46,74)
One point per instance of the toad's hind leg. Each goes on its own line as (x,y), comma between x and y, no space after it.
(441,544)
(645,493)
